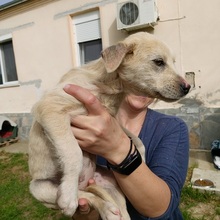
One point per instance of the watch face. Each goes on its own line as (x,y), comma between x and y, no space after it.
(128,13)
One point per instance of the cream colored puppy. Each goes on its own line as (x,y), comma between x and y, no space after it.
(60,171)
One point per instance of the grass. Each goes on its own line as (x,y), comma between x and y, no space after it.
(197,205)
(17,203)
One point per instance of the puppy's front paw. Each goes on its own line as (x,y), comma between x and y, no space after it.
(110,212)
(67,200)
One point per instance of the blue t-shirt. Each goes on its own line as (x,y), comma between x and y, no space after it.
(166,144)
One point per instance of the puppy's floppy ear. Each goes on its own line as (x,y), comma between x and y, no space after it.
(113,56)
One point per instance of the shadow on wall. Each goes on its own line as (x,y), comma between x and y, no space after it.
(203,123)
(203,134)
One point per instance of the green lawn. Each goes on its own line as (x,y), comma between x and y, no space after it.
(16,203)
(15,200)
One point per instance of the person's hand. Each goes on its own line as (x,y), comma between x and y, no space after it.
(97,132)
(84,211)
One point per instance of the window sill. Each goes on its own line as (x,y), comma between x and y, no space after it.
(10,84)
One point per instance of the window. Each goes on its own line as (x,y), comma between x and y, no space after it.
(8,72)
(88,36)
(90,50)
(8,3)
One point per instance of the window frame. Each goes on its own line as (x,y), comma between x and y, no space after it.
(3,39)
(82,19)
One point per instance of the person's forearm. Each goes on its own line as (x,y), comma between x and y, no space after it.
(149,194)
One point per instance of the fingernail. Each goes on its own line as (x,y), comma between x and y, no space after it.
(67,86)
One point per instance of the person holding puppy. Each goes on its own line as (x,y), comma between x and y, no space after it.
(153,188)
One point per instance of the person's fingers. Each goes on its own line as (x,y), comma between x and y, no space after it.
(92,104)
(77,120)
(91,182)
(84,207)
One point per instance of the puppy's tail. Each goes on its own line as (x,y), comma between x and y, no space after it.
(100,192)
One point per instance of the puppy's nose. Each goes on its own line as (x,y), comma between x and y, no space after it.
(185,87)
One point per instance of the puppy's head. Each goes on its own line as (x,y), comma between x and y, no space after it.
(146,67)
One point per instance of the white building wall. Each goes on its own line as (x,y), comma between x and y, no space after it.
(45,47)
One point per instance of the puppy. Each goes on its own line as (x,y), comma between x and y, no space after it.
(60,171)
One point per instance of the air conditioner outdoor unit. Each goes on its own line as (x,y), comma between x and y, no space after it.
(136,14)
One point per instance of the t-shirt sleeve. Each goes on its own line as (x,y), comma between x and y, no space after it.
(167,156)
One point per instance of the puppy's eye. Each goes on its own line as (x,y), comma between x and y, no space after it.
(159,62)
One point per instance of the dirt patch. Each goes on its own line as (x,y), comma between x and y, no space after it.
(203,209)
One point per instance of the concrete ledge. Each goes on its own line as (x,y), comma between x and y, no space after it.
(19,147)
(201,159)
(205,169)
(212,175)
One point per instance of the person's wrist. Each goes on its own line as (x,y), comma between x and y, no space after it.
(122,148)
(131,162)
